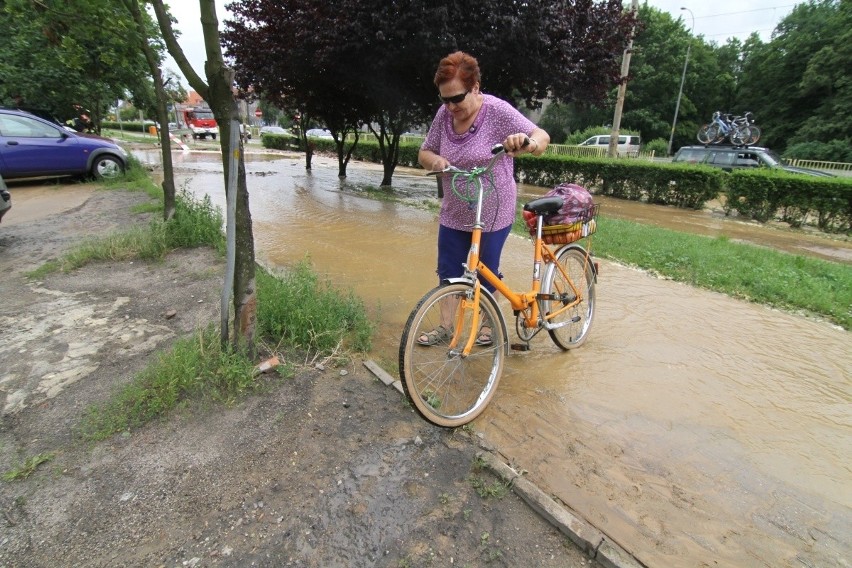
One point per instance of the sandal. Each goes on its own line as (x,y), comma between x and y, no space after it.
(484,338)
(435,336)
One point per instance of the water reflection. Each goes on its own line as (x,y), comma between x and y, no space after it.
(692,428)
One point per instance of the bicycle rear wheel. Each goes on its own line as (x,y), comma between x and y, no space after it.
(754,134)
(576,322)
(445,387)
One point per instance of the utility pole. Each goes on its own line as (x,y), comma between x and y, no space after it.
(622,87)
(682,79)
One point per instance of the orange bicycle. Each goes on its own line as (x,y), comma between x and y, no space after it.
(451,377)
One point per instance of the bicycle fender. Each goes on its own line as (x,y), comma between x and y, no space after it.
(485,292)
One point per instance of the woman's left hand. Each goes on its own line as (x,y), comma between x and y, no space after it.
(516,144)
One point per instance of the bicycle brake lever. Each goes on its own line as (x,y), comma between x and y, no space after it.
(448,170)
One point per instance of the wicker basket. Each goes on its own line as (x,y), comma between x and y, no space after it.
(564,234)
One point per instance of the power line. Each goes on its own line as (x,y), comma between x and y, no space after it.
(745,11)
(731,34)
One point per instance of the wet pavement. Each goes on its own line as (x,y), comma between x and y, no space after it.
(693,429)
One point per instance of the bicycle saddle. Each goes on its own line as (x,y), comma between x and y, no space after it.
(544,205)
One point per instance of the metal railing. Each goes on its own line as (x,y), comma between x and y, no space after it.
(820,165)
(558,149)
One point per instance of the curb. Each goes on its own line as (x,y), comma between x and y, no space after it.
(594,543)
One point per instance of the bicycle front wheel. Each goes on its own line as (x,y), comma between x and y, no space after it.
(705,136)
(575,279)
(446,387)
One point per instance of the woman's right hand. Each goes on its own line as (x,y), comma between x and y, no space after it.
(431,161)
(439,163)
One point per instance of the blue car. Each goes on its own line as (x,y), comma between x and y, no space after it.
(32,147)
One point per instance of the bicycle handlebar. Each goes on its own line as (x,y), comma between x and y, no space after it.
(497,150)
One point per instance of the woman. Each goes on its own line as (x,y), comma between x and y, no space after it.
(465,128)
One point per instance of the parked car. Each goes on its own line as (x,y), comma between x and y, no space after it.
(5,199)
(273,130)
(319,133)
(730,158)
(32,147)
(628,144)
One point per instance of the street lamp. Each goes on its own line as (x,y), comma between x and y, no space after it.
(682,78)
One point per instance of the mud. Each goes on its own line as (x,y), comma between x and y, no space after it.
(323,469)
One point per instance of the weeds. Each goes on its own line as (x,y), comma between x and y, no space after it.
(27,467)
(196,368)
(495,489)
(299,309)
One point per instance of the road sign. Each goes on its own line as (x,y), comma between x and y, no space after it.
(258,113)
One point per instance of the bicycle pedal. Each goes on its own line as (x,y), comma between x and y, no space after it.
(520,347)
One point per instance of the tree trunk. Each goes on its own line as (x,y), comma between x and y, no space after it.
(225,109)
(162,111)
(217,92)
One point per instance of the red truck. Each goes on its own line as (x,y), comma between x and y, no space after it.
(201,121)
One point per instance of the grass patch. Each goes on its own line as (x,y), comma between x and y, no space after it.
(196,223)
(194,369)
(136,178)
(496,489)
(757,274)
(299,309)
(27,467)
(295,309)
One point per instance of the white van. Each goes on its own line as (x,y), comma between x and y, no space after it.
(628,144)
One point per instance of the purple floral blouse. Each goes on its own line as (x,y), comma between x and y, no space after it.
(496,120)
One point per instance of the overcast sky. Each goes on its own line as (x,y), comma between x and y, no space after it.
(716,21)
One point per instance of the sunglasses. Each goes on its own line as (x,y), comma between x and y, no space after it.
(455,99)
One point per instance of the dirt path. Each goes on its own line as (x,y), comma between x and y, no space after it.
(327,469)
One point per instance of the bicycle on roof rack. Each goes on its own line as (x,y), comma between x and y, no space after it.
(740,130)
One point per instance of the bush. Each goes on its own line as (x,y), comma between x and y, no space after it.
(659,146)
(834,151)
(764,194)
(665,184)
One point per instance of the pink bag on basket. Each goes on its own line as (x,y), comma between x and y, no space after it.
(577,204)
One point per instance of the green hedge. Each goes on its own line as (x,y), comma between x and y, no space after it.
(764,194)
(758,194)
(281,142)
(664,184)
(125,125)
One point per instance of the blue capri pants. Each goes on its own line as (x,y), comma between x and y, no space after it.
(454,246)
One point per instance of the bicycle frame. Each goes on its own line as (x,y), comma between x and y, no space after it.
(526,302)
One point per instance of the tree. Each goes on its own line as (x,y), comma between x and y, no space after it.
(145,30)
(57,54)
(373,61)
(219,94)
(799,80)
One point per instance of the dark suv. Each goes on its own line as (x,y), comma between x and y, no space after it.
(734,157)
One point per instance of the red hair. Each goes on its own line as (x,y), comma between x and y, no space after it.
(461,65)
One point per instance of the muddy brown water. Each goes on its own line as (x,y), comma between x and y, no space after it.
(692,428)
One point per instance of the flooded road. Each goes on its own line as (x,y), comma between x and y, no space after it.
(692,428)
